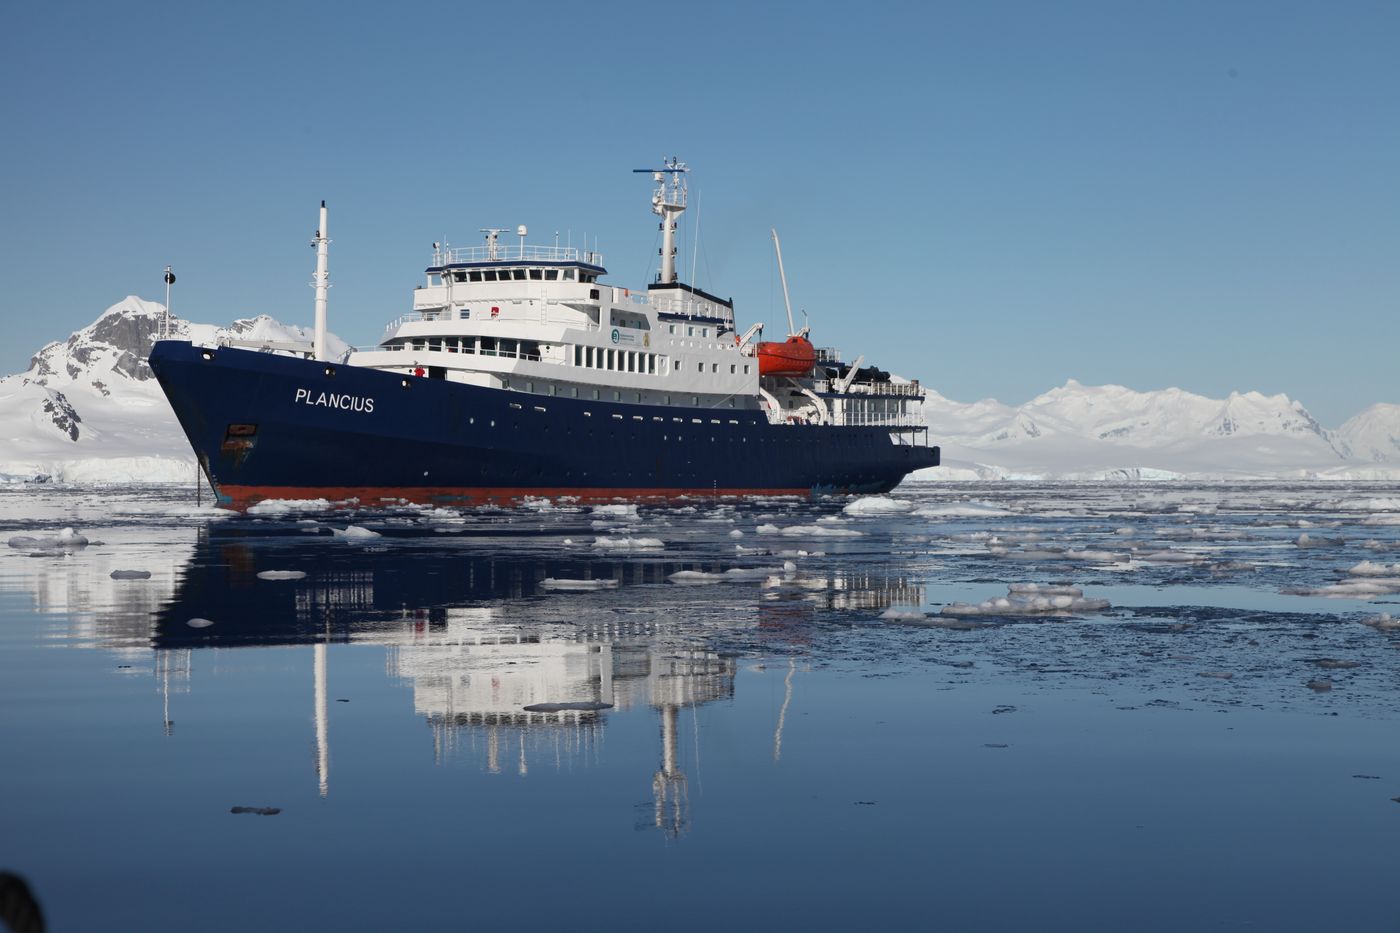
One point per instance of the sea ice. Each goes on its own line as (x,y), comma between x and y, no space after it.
(913,617)
(559,707)
(1383,622)
(130,575)
(275,507)
(877,505)
(814,531)
(354,532)
(1368,569)
(554,583)
(199,623)
(616,511)
(628,544)
(970,509)
(1031,599)
(1307,540)
(67,539)
(281,574)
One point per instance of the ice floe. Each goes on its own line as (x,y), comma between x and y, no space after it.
(130,575)
(969,509)
(1368,569)
(813,531)
(355,533)
(1031,599)
(877,505)
(1383,622)
(275,507)
(67,539)
(281,574)
(559,583)
(604,542)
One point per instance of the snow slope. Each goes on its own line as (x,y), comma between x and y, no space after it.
(1111,432)
(89,409)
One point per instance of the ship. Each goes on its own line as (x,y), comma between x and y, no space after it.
(520,372)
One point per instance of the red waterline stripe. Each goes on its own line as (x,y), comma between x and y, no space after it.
(241,497)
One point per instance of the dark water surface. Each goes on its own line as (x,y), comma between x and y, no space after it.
(801,742)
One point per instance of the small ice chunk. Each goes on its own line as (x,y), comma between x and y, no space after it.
(1307,540)
(281,574)
(273,507)
(199,623)
(554,583)
(1383,622)
(695,577)
(877,505)
(70,538)
(1031,599)
(913,617)
(585,705)
(604,542)
(617,511)
(1368,569)
(130,575)
(736,533)
(353,532)
(767,529)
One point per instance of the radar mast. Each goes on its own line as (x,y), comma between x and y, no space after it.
(668,202)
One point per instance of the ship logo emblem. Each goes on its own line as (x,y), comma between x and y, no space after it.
(616,336)
(646,340)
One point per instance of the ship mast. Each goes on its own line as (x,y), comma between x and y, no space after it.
(321,283)
(668,203)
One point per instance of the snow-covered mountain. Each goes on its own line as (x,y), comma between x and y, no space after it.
(1077,431)
(1374,434)
(88,409)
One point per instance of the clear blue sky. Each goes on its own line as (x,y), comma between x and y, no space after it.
(993,197)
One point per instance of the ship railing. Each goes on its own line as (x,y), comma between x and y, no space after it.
(896,389)
(519,252)
(828,355)
(684,303)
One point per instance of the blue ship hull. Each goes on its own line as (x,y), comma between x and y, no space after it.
(267,426)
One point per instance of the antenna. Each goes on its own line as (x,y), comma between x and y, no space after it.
(522,231)
(668,204)
(778,248)
(491,234)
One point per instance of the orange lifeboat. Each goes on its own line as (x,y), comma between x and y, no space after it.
(793,357)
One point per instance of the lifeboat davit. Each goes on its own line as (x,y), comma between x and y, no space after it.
(793,357)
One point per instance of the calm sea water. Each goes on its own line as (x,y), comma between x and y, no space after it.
(798,743)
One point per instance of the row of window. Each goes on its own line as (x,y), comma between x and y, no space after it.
(617,395)
(521,275)
(485,346)
(621,361)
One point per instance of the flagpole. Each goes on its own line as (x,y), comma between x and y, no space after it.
(169,281)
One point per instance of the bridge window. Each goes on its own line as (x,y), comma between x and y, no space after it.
(519,274)
(459,276)
(551,275)
(536,274)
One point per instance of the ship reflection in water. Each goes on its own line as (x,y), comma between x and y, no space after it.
(484,644)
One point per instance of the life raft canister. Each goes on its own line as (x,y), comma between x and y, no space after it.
(793,357)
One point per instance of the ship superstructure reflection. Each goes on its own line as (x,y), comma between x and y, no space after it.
(468,626)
